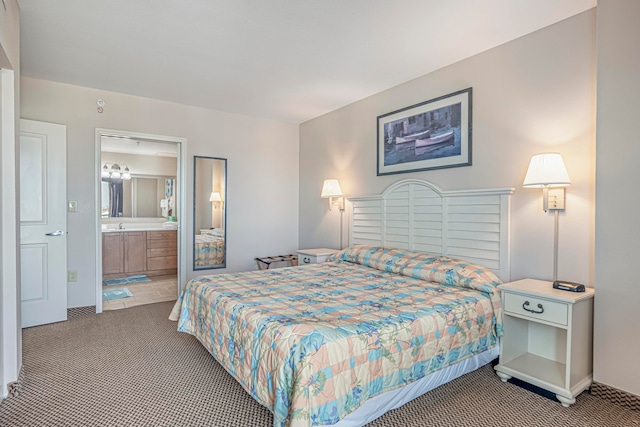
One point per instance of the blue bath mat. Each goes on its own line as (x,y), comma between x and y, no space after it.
(117,293)
(127,280)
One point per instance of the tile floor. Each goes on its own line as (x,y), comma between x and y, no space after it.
(159,289)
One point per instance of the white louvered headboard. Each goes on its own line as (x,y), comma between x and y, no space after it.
(413,214)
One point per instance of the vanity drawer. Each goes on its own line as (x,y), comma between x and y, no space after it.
(156,252)
(162,235)
(524,305)
(162,239)
(162,263)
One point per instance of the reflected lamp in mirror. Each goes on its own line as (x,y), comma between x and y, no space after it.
(547,171)
(331,190)
(216,199)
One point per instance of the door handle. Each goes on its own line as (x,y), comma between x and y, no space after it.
(54,233)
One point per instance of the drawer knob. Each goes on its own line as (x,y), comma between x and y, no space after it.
(306,260)
(526,304)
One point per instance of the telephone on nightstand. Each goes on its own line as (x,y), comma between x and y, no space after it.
(568,286)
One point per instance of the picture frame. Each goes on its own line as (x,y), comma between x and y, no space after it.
(168,187)
(434,134)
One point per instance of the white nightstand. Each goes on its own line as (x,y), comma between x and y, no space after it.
(314,256)
(548,338)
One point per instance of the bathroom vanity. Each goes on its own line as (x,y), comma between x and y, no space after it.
(127,252)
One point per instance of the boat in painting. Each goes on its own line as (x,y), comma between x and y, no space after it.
(436,139)
(412,137)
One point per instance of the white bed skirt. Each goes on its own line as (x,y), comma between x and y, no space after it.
(379,405)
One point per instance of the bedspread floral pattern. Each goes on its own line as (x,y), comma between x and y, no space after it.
(312,343)
(209,252)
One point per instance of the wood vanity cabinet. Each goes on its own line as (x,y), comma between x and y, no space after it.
(135,247)
(112,253)
(153,253)
(124,252)
(162,252)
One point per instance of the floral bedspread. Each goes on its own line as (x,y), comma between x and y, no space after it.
(312,343)
(209,250)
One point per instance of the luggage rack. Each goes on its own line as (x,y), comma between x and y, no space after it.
(265,262)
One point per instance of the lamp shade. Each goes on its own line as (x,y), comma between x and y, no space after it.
(546,170)
(106,170)
(215,197)
(331,188)
(115,171)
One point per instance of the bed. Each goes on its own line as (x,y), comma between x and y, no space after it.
(340,343)
(209,248)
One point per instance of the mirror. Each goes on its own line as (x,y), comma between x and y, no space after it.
(142,196)
(209,212)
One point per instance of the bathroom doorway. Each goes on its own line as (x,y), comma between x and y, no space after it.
(140,203)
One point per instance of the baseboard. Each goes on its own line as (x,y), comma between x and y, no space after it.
(80,311)
(15,387)
(616,396)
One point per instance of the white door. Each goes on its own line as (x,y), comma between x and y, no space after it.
(43,222)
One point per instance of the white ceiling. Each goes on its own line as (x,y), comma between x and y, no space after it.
(289,60)
(138,146)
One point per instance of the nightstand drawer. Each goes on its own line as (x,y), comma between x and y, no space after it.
(536,308)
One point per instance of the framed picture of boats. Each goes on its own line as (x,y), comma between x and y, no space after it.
(434,134)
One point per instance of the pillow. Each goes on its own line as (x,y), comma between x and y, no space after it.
(204,238)
(432,268)
(219,232)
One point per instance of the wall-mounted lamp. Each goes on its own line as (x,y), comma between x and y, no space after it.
(216,199)
(547,171)
(331,190)
(115,171)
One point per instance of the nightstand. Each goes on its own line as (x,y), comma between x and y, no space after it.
(548,338)
(314,256)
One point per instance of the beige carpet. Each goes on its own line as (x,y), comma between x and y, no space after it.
(131,368)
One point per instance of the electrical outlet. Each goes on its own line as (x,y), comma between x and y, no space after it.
(72,276)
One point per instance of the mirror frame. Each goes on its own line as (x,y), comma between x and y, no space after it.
(193,235)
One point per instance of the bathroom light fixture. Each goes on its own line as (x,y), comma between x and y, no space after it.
(216,199)
(115,171)
(331,189)
(547,171)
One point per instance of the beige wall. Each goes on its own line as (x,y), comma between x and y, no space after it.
(617,198)
(10,332)
(535,94)
(262,180)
